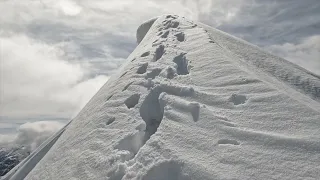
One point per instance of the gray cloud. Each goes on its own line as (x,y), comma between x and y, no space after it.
(275,22)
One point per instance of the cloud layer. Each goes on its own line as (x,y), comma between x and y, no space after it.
(31,135)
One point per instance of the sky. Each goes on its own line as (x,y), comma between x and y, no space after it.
(56,54)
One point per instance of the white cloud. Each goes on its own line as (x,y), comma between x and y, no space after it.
(69,7)
(36,80)
(81,92)
(305,53)
(31,135)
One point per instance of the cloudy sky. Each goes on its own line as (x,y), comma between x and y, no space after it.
(55,54)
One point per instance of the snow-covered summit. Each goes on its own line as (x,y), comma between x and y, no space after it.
(192,102)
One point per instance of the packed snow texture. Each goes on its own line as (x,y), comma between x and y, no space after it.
(192,102)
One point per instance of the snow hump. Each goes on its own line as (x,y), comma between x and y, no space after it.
(144,28)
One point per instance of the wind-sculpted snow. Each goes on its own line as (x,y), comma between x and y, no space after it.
(144,28)
(192,102)
(288,73)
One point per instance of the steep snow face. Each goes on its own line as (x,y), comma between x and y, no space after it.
(192,102)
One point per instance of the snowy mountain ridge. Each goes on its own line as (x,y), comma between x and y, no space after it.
(192,102)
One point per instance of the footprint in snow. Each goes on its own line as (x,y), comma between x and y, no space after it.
(228,141)
(109,97)
(132,101)
(145,54)
(143,68)
(165,35)
(182,64)
(180,36)
(111,120)
(170,170)
(123,74)
(159,52)
(238,99)
(154,73)
(126,87)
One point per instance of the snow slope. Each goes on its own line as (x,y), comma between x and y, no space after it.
(192,102)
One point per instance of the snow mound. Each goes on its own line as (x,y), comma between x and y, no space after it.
(192,102)
(144,28)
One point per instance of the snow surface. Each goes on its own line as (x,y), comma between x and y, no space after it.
(192,102)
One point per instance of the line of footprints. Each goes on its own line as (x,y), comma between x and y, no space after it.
(155,101)
(158,97)
(153,105)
